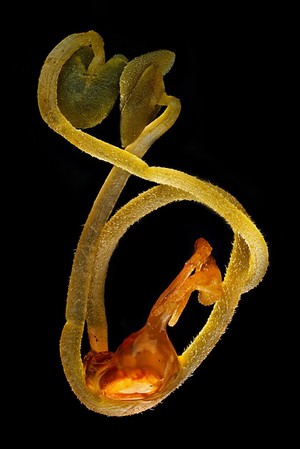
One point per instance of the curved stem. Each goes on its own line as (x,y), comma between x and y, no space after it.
(85,302)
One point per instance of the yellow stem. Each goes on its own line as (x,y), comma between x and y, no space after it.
(101,233)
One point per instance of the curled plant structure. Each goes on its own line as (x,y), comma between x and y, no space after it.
(77,90)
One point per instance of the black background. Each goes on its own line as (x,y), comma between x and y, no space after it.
(227,74)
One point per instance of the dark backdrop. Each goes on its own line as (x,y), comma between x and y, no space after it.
(229,132)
